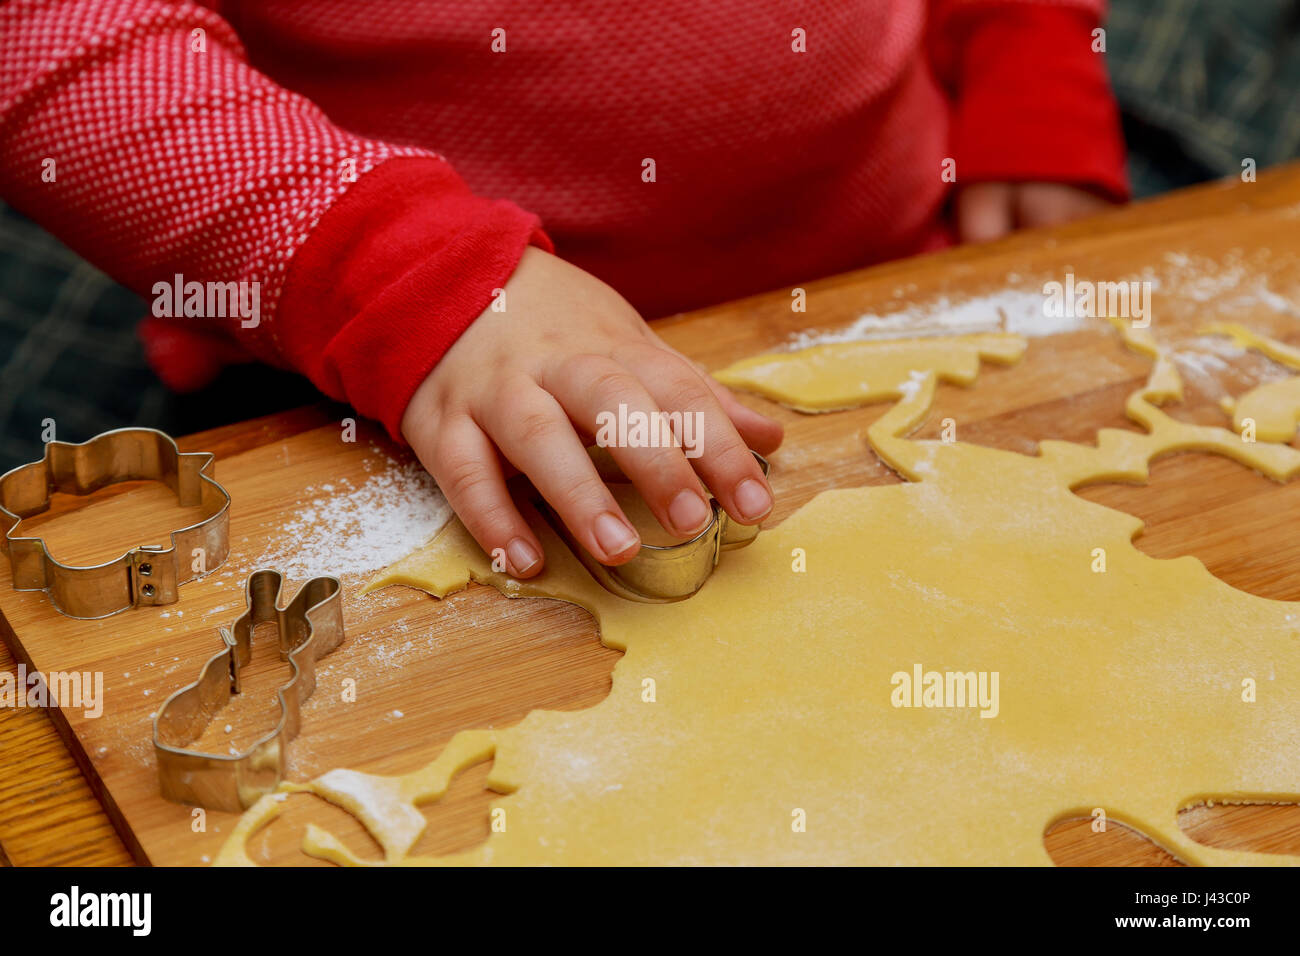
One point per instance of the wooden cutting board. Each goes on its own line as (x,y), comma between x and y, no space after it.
(425,669)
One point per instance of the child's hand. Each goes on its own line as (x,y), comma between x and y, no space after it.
(988,211)
(523,387)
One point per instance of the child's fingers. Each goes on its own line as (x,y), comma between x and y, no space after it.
(593,390)
(985,211)
(760,433)
(724,462)
(535,434)
(1049,204)
(464,464)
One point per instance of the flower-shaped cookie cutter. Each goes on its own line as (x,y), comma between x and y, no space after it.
(310,626)
(144,576)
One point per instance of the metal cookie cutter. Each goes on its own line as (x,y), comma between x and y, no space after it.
(310,627)
(661,573)
(144,576)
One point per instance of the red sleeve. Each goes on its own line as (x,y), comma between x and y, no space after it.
(396,270)
(136,131)
(1032,101)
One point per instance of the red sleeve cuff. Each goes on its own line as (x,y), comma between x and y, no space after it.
(1034,103)
(390,277)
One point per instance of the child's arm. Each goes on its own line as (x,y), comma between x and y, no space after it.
(1035,134)
(137,132)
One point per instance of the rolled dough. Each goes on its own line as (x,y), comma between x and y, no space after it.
(794,718)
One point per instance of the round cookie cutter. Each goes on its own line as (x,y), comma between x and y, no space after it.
(661,573)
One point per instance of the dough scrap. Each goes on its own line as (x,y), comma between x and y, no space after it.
(775,689)
(1274,407)
(828,378)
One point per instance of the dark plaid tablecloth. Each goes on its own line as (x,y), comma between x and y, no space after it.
(1204,84)
(69,351)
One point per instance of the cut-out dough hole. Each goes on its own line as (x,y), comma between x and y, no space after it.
(1072,842)
(1251,827)
(1074,418)
(1225,515)
(280,841)
(1077,391)
(1247,828)
(459,821)
(821,452)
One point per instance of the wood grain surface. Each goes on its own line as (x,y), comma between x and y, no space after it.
(426,669)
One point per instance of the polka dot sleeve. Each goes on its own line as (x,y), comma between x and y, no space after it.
(136,131)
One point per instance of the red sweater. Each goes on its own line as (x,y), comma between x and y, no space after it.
(221,144)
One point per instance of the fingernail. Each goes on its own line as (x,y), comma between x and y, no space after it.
(523,556)
(753,500)
(688,512)
(613,535)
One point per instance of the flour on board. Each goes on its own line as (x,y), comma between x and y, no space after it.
(1232,283)
(1010,310)
(340,528)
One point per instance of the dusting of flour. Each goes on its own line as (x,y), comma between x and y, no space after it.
(1010,310)
(1184,287)
(346,529)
